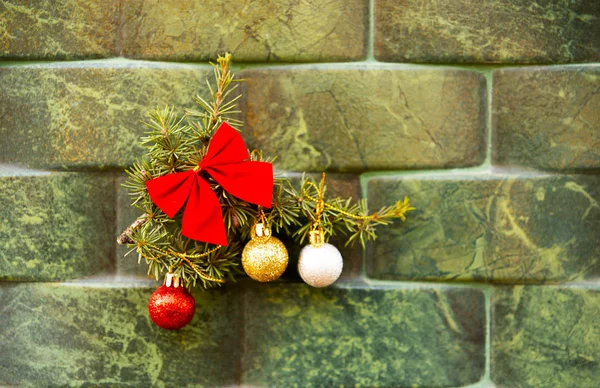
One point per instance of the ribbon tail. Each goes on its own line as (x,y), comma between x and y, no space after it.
(249,181)
(202,217)
(169,192)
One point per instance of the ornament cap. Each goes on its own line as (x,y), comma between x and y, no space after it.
(316,237)
(260,230)
(172,279)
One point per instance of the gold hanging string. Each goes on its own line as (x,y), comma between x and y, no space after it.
(186,258)
(198,271)
(317,234)
(261,216)
(256,156)
(145,256)
(197,256)
(260,220)
(321,204)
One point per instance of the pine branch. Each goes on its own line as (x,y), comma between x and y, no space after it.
(220,108)
(176,144)
(341,216)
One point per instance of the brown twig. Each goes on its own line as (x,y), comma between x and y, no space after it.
(125,237)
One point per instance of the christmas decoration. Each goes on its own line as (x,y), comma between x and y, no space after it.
(264,258)
(202,195)
(171,306)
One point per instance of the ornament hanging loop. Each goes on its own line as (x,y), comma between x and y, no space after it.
(321,202)
(256,156)
(316,236)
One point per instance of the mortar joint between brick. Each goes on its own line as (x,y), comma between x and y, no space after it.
(119,44)
(489,117)
(244,311)
(115,218)
(370,32)
(487,292)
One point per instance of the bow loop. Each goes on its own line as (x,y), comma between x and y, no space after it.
(226,148)
(227,163)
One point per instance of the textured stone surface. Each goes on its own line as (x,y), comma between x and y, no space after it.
(545,337)
(83,115)
(252,30)
(302,336)
(506,31)
(60,334)
(52,30)
(500,228)
(55,226)
(547,117)
(366,117)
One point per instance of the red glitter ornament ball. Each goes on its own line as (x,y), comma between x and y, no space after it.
(171,308)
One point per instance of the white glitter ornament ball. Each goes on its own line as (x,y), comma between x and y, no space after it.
(320,267)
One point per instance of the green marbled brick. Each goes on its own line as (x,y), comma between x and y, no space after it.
(545,337)
(366,117)
(489,227)
(547,117)
(55,225)
(50,30)
(101,335)
(87,115)
(254,30)
(498,31)
(296,335)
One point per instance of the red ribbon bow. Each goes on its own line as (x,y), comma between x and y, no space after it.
(227,163)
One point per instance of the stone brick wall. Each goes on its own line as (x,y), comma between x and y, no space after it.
(493,281)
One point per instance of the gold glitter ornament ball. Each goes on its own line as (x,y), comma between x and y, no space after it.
(265,258)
